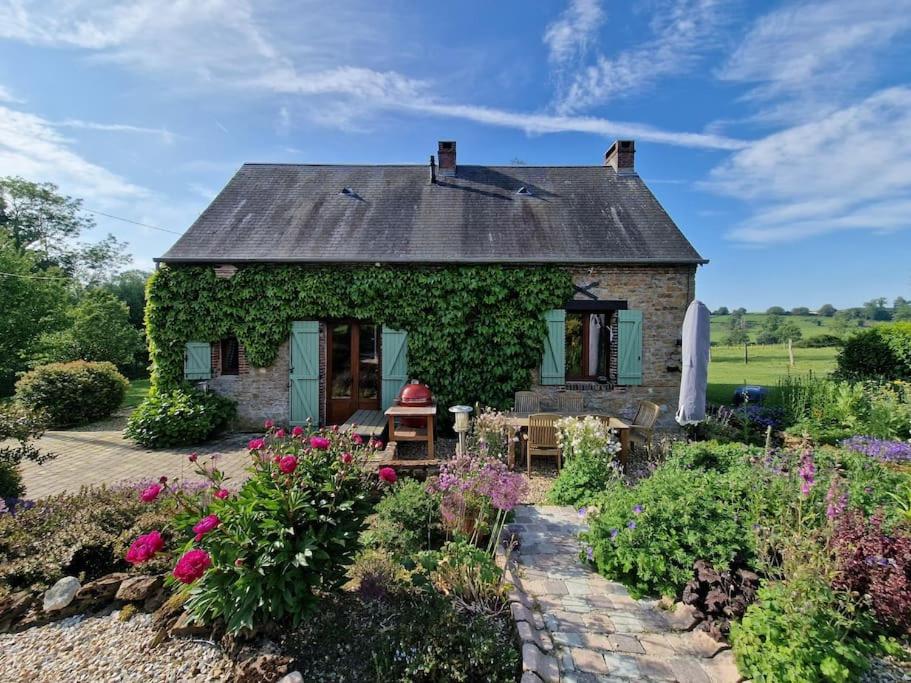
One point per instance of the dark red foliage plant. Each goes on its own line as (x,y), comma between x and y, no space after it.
(876,564)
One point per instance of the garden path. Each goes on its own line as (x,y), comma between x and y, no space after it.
(86,458)
(575,625)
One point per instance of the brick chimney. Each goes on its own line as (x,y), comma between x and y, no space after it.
(621,156)
(446,153)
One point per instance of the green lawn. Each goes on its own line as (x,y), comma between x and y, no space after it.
(809,325)
(139,389)
(767,364)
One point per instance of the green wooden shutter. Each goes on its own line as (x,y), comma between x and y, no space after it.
(304,372)
(629,347)
(553,364)
(197,361)
(395,364)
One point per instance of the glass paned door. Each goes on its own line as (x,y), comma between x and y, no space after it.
(354,369)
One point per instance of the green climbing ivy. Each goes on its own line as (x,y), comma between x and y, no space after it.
(474,332)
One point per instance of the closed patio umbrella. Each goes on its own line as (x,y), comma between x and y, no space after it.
(695,356)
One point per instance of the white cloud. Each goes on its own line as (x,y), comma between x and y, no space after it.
(805,59)
(850,169)
(165,135)
(682,31)
(8,97)
(569,36)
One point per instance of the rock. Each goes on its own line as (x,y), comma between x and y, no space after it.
(14,606)
(186,625)
(61,594)
(262,669)
(169,611)
(139,588)
(293,677)
(683,618)
(100,590)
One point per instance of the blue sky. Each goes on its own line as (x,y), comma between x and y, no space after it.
(777,134)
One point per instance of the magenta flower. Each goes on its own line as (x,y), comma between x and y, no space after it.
(221,494)
(151,493)
(192,457)
(205,525)
(287,464)
(192,565)
(807,473)
(256,444)
(320,443)
(279,433)
(269,424)
(358,439)
(378,445)
(297,431)
(835,502)
(144,547)
(347,458)
(388,475)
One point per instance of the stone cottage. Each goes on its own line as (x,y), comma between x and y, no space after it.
(616,340)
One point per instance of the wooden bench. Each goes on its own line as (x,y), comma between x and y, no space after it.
(367,423)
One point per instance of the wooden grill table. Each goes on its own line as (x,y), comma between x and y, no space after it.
(515,421)
(411,433)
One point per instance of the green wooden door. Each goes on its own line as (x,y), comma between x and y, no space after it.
(304,372)
(629,348)
(553,363)
(395,364)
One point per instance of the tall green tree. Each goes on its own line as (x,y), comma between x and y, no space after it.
(827,310)
(901,309)
(130,287)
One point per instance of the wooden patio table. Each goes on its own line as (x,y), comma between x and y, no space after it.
(515,421)
(410,433)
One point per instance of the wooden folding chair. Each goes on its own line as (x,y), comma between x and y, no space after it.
(570,402)
(643,426)
(542,437)
(527,402)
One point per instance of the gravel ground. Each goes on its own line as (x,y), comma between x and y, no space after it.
(104,649)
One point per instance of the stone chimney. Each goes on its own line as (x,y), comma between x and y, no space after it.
(621,156)
(446,153)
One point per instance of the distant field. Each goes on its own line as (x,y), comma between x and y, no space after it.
(810,325)
(767,364)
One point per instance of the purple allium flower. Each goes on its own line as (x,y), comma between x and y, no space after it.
(631,525)
(637,509)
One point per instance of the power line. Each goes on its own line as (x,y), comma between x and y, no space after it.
(34,277)
(127,220)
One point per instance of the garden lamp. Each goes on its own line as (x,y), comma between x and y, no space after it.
(461,424)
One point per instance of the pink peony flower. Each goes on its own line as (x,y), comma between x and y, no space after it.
(269,424)
(358,439)
(287,464)
(347,458)
(256,444)
(205,525)
(144,547)
(221,494)
(193,457)
(150,494)
(378,445)
(319,442)
(279,433)
(192,565)
(388,475)
(297,431)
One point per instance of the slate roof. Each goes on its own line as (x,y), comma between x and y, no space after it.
(298,213)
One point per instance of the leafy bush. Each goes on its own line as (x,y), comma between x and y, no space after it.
(712,455)
(469,576)
(178,418)
(648,536)
(407,520)
(291,530)
(11,485)
(582,479)
(877,566)
(81,534)
(882,353)
(797,632)
(22,426)
(820,341)
(408,636)
(72,393)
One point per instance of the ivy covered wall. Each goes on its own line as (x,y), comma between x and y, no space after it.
(474,332)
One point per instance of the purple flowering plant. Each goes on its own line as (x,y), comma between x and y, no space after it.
(885,450)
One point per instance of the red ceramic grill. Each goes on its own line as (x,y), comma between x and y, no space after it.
(415,394)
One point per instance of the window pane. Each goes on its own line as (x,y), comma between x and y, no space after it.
(574,344)
(600,344)
(341,361)
(369,363)
(229,356)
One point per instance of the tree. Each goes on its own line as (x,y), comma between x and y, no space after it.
(738,337)
(98,329)
(788,330)
(722,310)
(800,310)
(875,309)
(31,302)
(827,310)
(130,287)
(775,310)
(740,311)
(775,330)
(901,309)
(844,323)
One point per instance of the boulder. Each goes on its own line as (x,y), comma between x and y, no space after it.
(139,588)
(14,606)
(264,668)
(100,591)
(61,594)
(186,625)
(293,677)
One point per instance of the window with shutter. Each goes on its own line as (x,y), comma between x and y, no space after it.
(395,364)
(304,372)
(553,363)
(197,362)
(629,348)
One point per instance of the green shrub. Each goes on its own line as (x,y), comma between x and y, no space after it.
(407,520)
(74,393)
(798,633)
(23,427)
(648,536)
(712,455)
(178,418)
(882,353)
(11,485)
(467,575)
(819,341)
(582,479)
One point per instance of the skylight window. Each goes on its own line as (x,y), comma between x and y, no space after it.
(524,191)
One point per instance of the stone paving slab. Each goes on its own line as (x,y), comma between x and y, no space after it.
(105,457)
(578,626)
